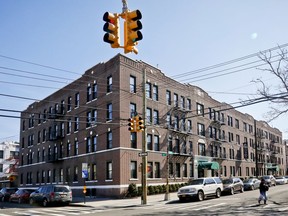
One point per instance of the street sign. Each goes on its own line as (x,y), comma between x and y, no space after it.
(142,154)
(164,154)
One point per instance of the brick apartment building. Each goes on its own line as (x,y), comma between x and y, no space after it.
(86,122)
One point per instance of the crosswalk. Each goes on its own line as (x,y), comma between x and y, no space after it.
(207,206)
(60,211)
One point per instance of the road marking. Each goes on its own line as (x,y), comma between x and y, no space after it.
(4,215)
(283,209)
(206,207)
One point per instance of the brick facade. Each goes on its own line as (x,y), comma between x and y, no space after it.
(86,122)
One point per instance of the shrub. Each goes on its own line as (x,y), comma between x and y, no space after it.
(132,190)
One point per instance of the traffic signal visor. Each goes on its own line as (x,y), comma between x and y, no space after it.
(131,125)
(139,124)
(111,27)
(132,25)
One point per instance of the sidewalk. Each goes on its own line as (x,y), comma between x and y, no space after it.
(121,203)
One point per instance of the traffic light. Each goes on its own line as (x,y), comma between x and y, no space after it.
(132,25)
(139,124)
(131,124)
(112,28)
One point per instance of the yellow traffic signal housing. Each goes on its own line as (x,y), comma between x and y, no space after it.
(132,25)
(139,124)
(112,28)
(131,124)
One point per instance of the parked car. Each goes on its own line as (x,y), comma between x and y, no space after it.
(21,196)
(280,180)
(51,194)
(233,184)
(270,180)
(6,192)
(201,188)
(251,183)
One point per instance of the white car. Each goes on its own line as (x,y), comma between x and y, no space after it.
(281,180)
(201,188)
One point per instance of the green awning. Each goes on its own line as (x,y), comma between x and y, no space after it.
(275,168)
(209,165)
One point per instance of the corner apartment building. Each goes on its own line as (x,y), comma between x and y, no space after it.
(9,159)
(86,123)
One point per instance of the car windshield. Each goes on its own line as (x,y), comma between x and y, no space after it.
(227,181)
(248,180)
(279,177)
(196,182)
(266,177)
(61,189)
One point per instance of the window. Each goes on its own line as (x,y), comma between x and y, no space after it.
(76,123)
(177,146)
(1,168)
(68,174)
(148,116)
(88,119)
(94,91)
(155,117)
(189,126)
(109,84)
(168,97)
(237,123)
(176,102)
(88,144)
(89,93)
(69,126)
(94,117)
(109,170)
(109,112)
(237,139)
(69,104)
(94,172)
(182,102)
(1,154)
(109,140)
(133,111)
(201,149)
(156,143)
(184,170)
(133,169)
(150,170)
(200,109)
(201,129)
(148,90)
(76,147)
(75,176)
(149,141)
(132,84)
(157,170)
(77,99)
(68,148)
(133,138)
(189,105)
(230,121)
(177,173)
(155,93)
(230,137)
(61,175)
(94,143)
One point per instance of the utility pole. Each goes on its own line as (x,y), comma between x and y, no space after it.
(144,145)
(256,149)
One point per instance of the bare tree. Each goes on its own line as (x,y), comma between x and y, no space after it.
(277,65)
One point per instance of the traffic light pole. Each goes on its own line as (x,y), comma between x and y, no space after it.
(144,146)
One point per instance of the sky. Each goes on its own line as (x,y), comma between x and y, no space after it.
(182,38)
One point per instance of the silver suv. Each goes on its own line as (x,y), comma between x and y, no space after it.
(201,188)
(51,194)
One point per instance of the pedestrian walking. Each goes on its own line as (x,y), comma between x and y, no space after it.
(263,191)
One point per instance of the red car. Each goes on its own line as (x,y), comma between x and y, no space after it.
(21,196)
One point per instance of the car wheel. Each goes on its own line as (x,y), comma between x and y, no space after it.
(218,193)
(241,189)
(200,195)
(31,201)
(252,187)
(232,191)
(45,202)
